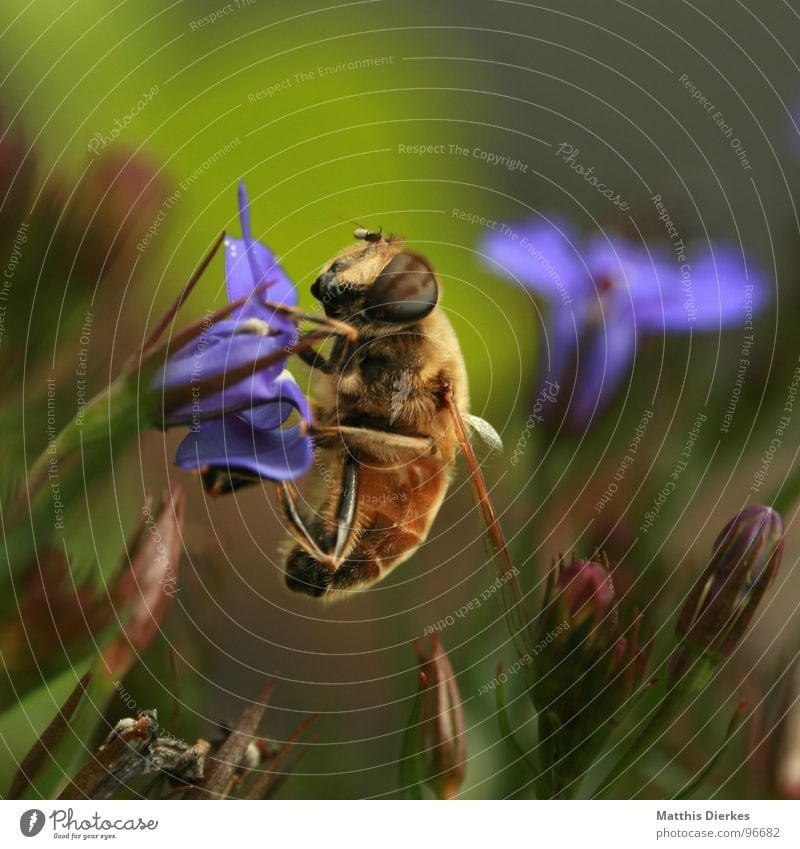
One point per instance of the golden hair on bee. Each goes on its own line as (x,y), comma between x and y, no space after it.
(382,426)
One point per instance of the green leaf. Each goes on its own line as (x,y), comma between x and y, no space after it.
(411,773)
(505,726)
(24,723)
(737,720)
(47,741)
(787,494)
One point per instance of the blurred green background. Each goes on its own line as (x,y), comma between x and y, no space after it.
(267,93)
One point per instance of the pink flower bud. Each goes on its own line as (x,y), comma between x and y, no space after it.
(443,739)
(585,588)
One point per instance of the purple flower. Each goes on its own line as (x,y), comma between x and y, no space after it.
(237,432)
(606,290)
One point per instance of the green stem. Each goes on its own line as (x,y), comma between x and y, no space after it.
(694,678)
(788,493)
(113,411)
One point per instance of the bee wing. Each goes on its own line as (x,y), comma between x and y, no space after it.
(506,576)
(482,430)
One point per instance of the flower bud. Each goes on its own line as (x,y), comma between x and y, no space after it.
(745,559)
(143,594)
(585,588)
(443,741)
(109,212)
(17,172)
(586,667)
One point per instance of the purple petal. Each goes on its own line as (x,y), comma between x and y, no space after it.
(257,270)
(621,264)
(715,291)
(604,361)
(232,443)
(241,278)
(248,264)
(244,212)
(560,340)
(248,394)
(216,354)
(286,398)
(543,256)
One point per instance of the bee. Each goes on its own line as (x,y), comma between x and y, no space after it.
(383,425)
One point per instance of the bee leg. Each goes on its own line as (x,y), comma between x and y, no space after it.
(310,567)
(354,574)
(314,359)
(305,570)
(305,574)
(287,499)
(378,445)
(346,526)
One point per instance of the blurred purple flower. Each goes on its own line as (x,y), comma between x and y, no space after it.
(236,432)
(606,290)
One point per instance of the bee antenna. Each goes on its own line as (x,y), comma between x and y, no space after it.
(364,233)
(368,235)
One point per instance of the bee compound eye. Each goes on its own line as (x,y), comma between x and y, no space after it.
(405,290)
(328,288)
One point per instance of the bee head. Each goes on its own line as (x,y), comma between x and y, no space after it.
(379,283)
